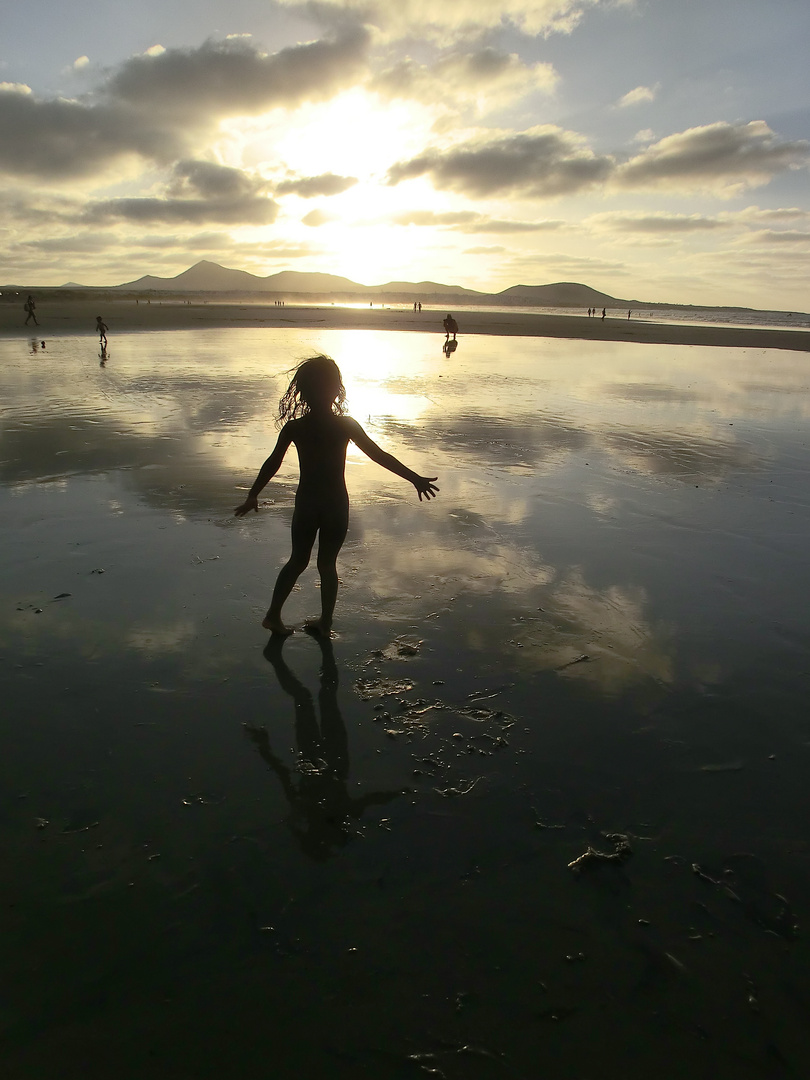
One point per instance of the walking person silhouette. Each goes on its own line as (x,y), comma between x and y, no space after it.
(315,422)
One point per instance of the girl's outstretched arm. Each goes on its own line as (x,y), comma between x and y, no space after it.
(266,472)
(423,484)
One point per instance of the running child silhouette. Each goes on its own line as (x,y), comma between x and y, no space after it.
(314,421)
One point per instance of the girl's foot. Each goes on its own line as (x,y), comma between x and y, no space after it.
(318,627)
(274,624)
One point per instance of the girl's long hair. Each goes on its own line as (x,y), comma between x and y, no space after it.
(316,374)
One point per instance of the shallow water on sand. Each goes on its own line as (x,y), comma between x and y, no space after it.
(353,861)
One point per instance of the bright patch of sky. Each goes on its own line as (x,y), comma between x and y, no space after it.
(655,151)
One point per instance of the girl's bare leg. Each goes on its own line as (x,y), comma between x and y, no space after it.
(332,535)
(303,537)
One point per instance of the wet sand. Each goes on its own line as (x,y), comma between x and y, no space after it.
(78,317)
(364,860)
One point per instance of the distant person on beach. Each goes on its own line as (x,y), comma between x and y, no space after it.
(102,328)
(603,313)
(450,326)
(313,410)
(30,307)
(628,313)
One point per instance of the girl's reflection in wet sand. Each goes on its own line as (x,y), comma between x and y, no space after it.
(321,808)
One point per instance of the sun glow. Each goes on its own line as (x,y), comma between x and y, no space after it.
(353,135)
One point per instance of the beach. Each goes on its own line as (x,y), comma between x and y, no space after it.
(538,808)
(78,317)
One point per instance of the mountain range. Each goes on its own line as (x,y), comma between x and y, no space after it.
(208,276)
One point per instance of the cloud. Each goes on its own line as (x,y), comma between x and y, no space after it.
(197,191)
(60,139)
(545,161)
(87,242)
(721,157)
(467,17)
(766,237)
(213,181)
(637,96)
(494,225)
(484,79)
(755,214)
(177,211)
(431,219)
(155,105)
(307,187)
(470,221)
(659,222)
(316,218)
(231,77)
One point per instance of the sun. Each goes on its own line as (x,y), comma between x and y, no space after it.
(354,134)
(357,136)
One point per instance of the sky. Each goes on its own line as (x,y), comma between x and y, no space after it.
(656,150)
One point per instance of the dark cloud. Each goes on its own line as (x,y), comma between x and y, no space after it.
(717,155)
(62,140)
(155,105)
(226,77)
(547,162)
(197,192)
(494,225)
(250,210)
(208,180)
(658,223)
(87,242)
(307,187)
(778,236)
(542,163)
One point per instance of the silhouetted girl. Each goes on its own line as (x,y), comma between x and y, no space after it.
(312,409)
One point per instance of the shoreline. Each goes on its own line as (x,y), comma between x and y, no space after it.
(78,317)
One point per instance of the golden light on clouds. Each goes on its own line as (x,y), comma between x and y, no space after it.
(413,141)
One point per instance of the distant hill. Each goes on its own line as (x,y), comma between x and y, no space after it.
(211,277)
(561,294)
(425,288)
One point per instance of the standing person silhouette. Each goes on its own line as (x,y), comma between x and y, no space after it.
(450,326)
(313,408)
(102,328)
(30,307)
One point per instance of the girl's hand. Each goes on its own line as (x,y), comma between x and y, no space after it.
(425,486)
(250,503)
